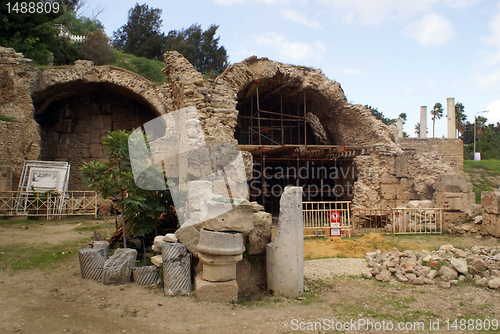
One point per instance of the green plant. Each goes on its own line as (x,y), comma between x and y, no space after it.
(141,207)
(7,119)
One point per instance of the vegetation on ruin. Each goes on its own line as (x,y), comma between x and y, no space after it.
(484,175)
(142,37)
(148,68)
(7,118)
(141,207)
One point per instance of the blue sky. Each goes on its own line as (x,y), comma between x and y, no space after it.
(395,55)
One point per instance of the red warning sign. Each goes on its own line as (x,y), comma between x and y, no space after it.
(335,223)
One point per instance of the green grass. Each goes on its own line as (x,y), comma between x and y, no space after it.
(484,175)
(150,69)
(45,256)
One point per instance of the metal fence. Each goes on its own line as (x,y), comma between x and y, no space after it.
(326,218)
(398,221)
(52,205)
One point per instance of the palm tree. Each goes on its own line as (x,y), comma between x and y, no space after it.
(417,129)
(437,113)
(403,117)
(480,123)
(460,117)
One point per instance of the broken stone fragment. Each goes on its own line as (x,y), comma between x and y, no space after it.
(239,219)
(157,260)
(189,236)
(384,276)
(482,281)
(158,241)
(447,273)
(104,245)
(91,263)
(170,237)
(118,268)
(366,274)
(460,265)
(494,283)
(260,235)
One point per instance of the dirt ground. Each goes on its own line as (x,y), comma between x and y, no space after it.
(41,291)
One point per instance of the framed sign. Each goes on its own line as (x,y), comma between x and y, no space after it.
(335,223)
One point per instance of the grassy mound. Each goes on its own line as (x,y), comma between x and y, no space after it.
(484,175)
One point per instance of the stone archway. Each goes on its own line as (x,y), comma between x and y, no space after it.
(76,106)
(344,123)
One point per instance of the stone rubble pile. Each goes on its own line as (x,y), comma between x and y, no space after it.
(444,267)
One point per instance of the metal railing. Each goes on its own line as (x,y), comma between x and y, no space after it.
(417,221)
(326,218)
(398,221)
(52,205)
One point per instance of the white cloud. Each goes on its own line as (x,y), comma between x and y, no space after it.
(493,114)
(488,81)
(461,3)
(369,12)
(293,15)
(431,30)
(492,57)
(408,90)
(290,51)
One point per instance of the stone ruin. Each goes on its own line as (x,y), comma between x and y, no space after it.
(278,115)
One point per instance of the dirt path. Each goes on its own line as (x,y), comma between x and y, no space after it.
(57,300)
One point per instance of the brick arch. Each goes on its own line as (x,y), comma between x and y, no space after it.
(76,106)
(55,83)
(343,122)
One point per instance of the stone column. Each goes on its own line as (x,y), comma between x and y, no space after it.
(400,128)
(219,252)
(423,122)
(285,254)
(450,116)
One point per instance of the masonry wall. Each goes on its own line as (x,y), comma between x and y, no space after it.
(73,128)
(449,151)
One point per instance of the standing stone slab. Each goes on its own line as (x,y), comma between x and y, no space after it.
(118,268)
(285,254)
(176,269)
(102,245)
(91,263)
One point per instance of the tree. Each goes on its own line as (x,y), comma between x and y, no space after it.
(417,129)
(79,25)
(437,113)
(141,207)
(403,117)
(31,34)
(96,48)
(480,125)
(380,116)
(460,117)
(200,48)
(142,35)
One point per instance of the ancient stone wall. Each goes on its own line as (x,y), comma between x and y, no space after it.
(344,123)
(126,101)
(391,176)
(20,137)
(449,151)
(73,128)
